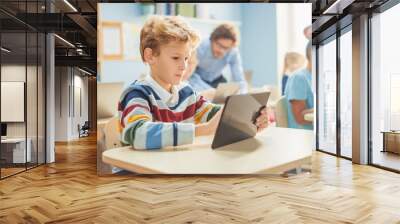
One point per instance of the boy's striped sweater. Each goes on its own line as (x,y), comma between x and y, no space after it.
(151,117)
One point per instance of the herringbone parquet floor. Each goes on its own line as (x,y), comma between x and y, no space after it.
(69,191)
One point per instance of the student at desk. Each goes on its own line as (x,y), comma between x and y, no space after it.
(293,61)
(299,95)
(161,110)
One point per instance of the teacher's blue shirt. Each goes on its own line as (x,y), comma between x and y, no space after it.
(210,68)
(298,87)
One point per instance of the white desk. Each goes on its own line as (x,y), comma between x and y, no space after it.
(18,151)
(275,150)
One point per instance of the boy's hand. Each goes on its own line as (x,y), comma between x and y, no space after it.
(210,127)
(209,94)
(262,120)
(213,123)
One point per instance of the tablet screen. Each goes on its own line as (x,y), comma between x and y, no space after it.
(238,118)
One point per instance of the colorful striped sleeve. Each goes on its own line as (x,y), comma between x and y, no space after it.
(205,111)
(139,130)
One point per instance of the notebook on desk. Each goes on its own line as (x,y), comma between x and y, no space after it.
(238,118)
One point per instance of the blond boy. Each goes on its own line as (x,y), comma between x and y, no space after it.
(160,110)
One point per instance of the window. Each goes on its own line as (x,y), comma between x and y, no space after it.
(327,96)
(346,93)
(385,85)
(22,66)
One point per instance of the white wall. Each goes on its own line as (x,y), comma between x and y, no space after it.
(34,124)
(61,87)
(80,96)
(69,85)
(291,20)
(258,43)
(14,73)
(17,73)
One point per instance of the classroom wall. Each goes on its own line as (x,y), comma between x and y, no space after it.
(119,12)
(291,20)
(223,11)
(266,31)
(70,84)
(128,12)
(259,42)
(114,71)
(128,71)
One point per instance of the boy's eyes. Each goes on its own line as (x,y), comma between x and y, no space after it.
(176,58)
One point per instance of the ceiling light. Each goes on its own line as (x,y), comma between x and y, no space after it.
(328,10)
(5,50)
(79,51)
(86,72)
(338,6)
(64,40)
(70,5)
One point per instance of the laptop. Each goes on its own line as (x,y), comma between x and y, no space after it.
(224,90)
(238,118)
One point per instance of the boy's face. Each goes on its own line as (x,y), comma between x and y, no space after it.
(221,46)
(192,63)
(170,64)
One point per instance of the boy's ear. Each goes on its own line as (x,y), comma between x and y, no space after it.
(148,55)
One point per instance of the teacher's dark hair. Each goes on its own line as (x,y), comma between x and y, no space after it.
(226,31)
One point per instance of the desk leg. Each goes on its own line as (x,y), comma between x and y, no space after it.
(296,171)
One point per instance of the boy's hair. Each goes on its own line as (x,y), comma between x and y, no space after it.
(226,31)
(160,30)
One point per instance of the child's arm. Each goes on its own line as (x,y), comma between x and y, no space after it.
(205,111)
(206,117)
(210,127)
(139,130)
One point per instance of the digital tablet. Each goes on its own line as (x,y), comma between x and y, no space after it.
(238,117)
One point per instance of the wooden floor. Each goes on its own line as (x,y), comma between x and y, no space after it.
(5,172)
(70,192)
(8,171)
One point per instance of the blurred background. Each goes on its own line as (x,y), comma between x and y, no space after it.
(267,33)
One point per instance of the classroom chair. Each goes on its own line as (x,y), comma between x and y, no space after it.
(281,112)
